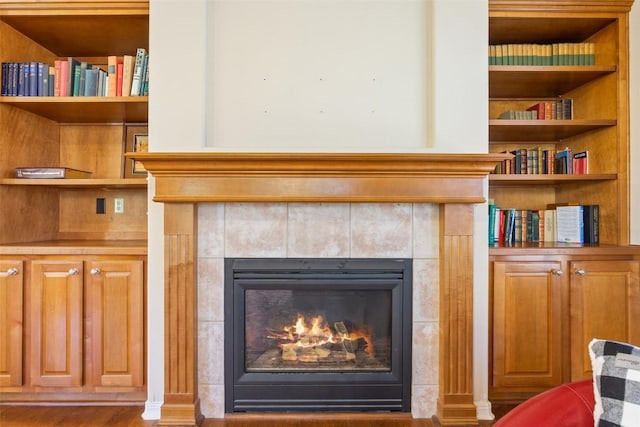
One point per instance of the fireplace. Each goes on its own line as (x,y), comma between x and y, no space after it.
(454,181)
(317,335)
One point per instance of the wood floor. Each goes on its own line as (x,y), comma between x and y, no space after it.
(130,416)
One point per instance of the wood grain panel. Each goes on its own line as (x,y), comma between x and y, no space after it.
(527,325)
(56,324)
(78,218)
(11,294)
(181,403)
(115,293)
(97,149)
(455,387)
(605,304)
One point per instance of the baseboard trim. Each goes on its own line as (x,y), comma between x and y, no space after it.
(151,410)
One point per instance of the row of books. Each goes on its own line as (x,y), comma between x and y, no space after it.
(568,224)
(545,162)
(560,109)
(542,54)
(126,75)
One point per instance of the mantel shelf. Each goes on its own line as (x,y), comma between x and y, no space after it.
(319,177)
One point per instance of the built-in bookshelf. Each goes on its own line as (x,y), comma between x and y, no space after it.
(73,248)
(560,262)
(74,77)
(544,104)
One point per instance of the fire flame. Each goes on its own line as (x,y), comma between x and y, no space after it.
(316,333)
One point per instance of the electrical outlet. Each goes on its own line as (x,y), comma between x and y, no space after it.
(101,206)
(118,205)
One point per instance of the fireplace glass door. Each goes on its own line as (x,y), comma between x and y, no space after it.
(317,334)
(324,329)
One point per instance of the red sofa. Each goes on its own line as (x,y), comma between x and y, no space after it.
(567,405)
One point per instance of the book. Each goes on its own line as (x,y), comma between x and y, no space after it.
(138,72)
(492,222)
(119,76)
(549,225)
(570,224)
(563,162)
(72,63)
(591,221)
(51,173)
(91,82)
(127,74)
(581,163)
(112,73)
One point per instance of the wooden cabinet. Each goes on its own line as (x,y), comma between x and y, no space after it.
(11,320)
(84,314)
(527,325)
(605,303)
(549,299)
(546,306)
(115,318)
(72,278)
(56,327)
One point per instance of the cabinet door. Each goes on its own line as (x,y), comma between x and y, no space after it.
(605,304)
(11,323)
(115,313)
(527,326)
(56,323)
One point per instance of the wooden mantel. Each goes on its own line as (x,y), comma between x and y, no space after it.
(454,181)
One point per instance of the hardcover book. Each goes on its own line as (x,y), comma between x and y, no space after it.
(51,173)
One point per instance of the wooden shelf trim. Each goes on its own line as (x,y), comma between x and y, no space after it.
(599,6)
(76,247)
(99,7)
(83,109)
(543,130)
(551,179)
(79,183)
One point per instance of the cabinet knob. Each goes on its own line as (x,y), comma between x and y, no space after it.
(580,271)
(12,271)
(557,272)
(73,271)
(95,271)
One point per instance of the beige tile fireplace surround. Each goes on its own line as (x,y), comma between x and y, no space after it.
(264,205)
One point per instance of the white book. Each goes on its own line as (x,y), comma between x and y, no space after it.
(138,71)
(569,224)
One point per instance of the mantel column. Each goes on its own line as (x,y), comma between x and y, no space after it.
(455,396)
(181,403)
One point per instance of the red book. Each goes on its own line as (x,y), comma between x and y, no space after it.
(119,76)
(64,78)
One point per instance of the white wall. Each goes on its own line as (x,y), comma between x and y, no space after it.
(178,122)
(634,82)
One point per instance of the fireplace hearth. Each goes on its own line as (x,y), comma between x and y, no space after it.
(317,335)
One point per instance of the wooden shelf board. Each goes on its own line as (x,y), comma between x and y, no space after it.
(546,30)
(79,183)
(525,179)
(542,130)
(561,248)
(76,247)
(83,33)
(83,109)
(524,81)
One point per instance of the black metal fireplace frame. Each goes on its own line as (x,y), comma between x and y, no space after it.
(318,391)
